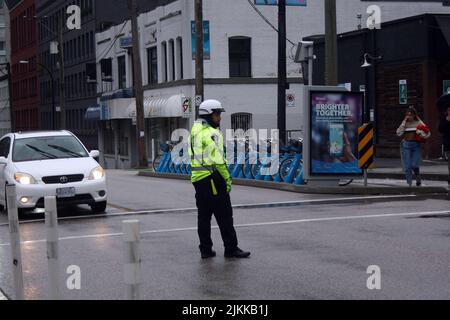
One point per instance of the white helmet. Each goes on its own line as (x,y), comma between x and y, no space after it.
(209,107)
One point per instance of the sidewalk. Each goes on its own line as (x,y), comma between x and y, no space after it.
(375,186)
(387,168)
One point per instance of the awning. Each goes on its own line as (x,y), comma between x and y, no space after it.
(93,113)
(159,107)
(118,94)
(444,24)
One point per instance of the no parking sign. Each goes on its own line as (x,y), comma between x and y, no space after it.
(290,100)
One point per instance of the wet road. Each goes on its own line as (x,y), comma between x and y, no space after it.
(317,248)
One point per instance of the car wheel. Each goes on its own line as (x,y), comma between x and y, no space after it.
(99,207)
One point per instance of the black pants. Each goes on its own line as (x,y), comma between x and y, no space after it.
(220,205)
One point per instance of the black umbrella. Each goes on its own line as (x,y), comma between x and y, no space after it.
(444,101)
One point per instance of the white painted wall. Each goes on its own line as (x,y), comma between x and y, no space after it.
(237,18)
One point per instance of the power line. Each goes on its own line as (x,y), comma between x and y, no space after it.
(267,20)
(105,53)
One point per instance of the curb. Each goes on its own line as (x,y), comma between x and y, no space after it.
(356,190)
(401,176)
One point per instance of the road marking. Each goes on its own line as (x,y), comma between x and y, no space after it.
(293,203)
(257,224)
(116,206)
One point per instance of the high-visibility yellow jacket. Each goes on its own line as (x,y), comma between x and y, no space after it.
(207,152)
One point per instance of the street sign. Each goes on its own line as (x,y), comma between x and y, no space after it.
(301,3)
(187,108)
(290,100)
(446,86)
(198,101)
(403,92)
(366,149)
(126,42)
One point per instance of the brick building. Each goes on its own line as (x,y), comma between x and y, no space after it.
(25,87)
(415,49)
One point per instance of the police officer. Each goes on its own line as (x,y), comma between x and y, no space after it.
(212,182)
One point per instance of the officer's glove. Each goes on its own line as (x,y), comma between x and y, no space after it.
(229,186)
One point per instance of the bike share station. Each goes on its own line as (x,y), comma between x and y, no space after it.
(335,147)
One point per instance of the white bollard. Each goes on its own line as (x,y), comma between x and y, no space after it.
(132,268)
(51,224)
(14,236)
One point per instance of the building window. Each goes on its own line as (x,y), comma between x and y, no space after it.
(172,60)
(152,63)
(243,121)
(240,56)
(122,72)
(180,59)
(164,60)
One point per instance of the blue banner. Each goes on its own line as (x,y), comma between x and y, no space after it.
(206,40)
(302,3)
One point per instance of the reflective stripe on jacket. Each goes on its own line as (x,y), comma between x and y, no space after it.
(207,152)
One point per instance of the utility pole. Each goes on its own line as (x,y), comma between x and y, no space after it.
(282,77)
(138,91)
(331,67)
(199,73)
(62,108)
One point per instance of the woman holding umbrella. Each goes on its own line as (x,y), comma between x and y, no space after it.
(444,127)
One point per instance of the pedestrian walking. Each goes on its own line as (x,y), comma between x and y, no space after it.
(444,129)
(414,132)
(212,182)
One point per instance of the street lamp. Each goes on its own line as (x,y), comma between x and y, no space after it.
(52,87)
(365,66)
(366,63)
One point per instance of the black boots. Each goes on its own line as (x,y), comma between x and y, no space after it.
(418,177)
(237,253)
(209,254)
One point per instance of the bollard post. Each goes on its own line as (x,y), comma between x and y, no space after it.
(14,236)
(132,268)
(51,224)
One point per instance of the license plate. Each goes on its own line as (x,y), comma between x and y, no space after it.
(65,192)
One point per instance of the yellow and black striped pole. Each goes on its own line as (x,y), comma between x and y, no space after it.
(366,148)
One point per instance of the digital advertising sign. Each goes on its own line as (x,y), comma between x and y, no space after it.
(334,118)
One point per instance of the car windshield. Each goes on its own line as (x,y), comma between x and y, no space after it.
(45,148)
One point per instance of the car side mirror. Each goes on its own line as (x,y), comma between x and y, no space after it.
(94,154)
(3,160)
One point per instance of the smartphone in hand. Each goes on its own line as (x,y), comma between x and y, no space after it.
(336,139)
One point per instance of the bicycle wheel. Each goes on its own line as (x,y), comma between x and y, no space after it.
(285,168)
(156,163)
(255,169)
(247,168)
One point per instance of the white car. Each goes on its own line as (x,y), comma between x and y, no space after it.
(51,163)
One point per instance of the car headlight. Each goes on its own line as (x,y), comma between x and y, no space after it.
(97,173)
(24,178)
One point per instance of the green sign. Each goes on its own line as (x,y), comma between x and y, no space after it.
(446,86)
(403,92)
